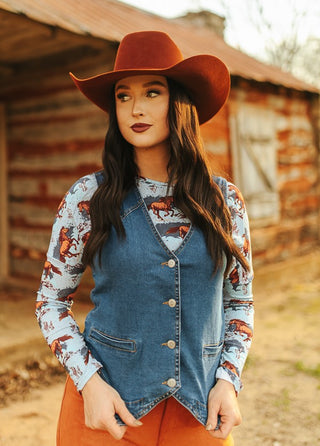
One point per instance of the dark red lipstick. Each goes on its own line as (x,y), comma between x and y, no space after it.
(140,127)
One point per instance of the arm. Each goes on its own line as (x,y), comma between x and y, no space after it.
(61,276)
(238,312)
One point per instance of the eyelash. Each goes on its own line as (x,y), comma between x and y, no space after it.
(157,92)
(122,96)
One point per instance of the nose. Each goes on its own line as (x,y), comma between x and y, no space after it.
(137,108)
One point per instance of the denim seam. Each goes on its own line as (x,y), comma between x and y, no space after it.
(131,209)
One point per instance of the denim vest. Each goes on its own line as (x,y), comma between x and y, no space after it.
(158,320)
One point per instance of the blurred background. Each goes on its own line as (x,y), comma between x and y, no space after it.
(265,139)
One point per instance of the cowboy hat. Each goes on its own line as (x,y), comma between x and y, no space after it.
(205,77)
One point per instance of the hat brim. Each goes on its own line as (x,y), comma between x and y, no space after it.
(206,79)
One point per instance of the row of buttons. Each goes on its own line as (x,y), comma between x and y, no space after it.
(171,344)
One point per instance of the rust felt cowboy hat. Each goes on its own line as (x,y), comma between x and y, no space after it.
(205,77)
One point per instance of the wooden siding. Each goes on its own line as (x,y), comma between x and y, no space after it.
(4,249)
(215,135)
(54,135)
(296,229)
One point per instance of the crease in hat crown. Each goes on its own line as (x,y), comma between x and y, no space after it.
(147,50)
(205,77)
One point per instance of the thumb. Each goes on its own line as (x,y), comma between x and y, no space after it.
(125,415)
(213,419)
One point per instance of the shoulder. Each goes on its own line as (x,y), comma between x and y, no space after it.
(228,189)
(83,188)
(222,183)
(231,193)
(77,198)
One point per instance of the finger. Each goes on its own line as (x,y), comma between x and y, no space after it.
(223,429)
(115,429)
(125,415)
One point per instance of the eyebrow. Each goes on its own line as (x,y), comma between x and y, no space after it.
(147,84)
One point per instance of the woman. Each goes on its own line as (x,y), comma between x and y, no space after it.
(170,254)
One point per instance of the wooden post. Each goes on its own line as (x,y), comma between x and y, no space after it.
(316,114)
(4,225)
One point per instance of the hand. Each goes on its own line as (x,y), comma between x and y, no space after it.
(222,401)
(101,403)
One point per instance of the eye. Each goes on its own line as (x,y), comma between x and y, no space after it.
(153,93)
(123,97)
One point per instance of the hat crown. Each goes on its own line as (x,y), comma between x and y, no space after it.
(147,50)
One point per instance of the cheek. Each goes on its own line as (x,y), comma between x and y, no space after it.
(120,118)
(163,115)
(166,123)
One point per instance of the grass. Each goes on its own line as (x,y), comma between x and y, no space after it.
(283,400)
(310,371)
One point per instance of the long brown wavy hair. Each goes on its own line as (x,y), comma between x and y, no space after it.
(195,192)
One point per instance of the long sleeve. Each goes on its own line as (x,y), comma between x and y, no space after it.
(237,297)
(61,276)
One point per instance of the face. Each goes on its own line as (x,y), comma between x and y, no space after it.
(142,104)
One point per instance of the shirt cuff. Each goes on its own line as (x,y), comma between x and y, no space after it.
(91,370)
(227,375)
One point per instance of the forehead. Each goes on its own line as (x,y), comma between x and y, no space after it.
(141,81)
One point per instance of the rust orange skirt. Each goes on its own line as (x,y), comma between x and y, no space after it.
(168,424)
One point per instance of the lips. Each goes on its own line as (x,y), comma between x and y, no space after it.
(140,127)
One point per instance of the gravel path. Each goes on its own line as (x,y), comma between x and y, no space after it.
(280,402)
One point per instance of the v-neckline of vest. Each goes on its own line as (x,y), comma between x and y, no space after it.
(152,226)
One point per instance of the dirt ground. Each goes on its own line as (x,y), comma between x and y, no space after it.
(280,401)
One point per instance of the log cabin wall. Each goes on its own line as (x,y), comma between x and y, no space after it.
(263,140)
(216,138)
(284,126)
(54,136)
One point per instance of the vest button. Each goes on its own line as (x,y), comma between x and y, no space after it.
(171,382)
(172,303)
(171,263)
(171,344)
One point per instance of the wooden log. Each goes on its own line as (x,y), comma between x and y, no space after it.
(4,230)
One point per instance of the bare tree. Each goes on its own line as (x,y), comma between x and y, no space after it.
(279,49)
(284,49)
(307,63)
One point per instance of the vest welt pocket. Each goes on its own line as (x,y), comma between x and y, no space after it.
(125,345)
(211,350)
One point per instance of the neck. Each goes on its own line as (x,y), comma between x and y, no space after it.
(152,162)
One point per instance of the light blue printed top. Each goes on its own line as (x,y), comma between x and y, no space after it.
(63,270)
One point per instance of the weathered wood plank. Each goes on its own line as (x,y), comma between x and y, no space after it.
(54,162)
(4,229)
